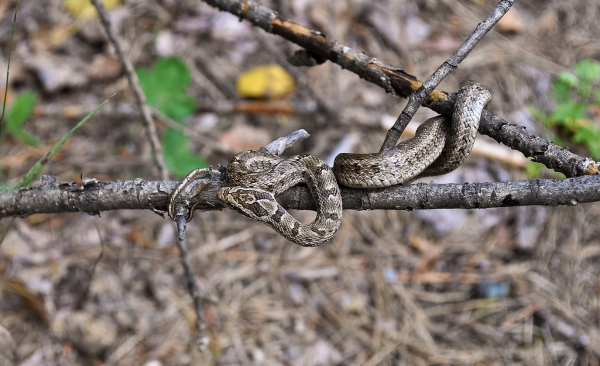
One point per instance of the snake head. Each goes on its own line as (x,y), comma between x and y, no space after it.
(255,203)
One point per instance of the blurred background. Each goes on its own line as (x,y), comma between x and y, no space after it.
(481,287)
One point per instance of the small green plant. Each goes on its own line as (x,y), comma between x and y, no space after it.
(577,113)
(18,114)
(164,86)
(36,169)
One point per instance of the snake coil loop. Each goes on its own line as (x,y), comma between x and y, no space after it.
(438,147)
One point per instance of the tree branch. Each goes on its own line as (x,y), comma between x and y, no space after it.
(401,84)
(142,194)
(416,99)
(134,82)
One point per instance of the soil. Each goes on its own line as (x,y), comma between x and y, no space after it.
(510,286)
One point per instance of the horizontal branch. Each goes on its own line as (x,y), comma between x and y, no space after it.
(94,197)
(401,84)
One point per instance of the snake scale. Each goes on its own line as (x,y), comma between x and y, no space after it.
(254,177)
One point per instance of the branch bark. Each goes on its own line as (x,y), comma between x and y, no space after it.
(401,84)
(93,197)
(50,197)
(416,99)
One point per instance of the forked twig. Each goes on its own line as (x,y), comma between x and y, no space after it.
(416,98)
(140,98)
(399,83)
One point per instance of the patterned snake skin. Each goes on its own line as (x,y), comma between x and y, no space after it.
(256,177)
(438,147)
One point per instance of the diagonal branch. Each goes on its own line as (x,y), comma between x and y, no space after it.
(142,194)
(401,84)
(416,98)
(134,82)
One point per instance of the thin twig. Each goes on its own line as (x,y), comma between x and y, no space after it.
(416,98)
(134,82)
(12,36)
(197,136)
(197,296)
(400,84)
(86,292)
(7,230)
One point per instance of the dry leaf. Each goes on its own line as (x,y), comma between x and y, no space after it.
(104,67)
(243,137)
(265,81)
(84,9)
(511,22)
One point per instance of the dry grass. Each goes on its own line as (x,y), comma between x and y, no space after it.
(392,288)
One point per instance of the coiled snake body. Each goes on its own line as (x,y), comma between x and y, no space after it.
(256,177)
(438,147)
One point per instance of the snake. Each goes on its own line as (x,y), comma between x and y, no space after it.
(255,178)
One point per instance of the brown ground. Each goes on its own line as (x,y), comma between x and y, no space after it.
(503,286)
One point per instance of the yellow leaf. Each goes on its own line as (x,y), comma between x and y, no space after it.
(265,81)
(84,9)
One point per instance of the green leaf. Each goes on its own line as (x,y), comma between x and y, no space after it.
(177,157)
(173,74)
(590,137)
(20,111)
(150,86)
(176,105)
(585,90)
(164,88)
(568,78)
(586,133)
(562,91)
(594,148)
(588,70)
(37,168)
(26,138)
(539,115)
(533,169)
(174,141)
(568,110)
